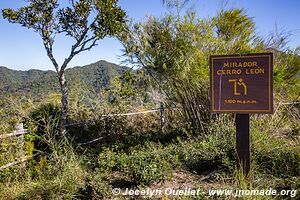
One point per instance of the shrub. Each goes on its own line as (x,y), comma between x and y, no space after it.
(141,165)
(59,175)
(43,126)
(144,167)
(213,153)
(278,157)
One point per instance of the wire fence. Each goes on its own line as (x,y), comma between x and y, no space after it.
(161,109)
(18,134)
(20,131)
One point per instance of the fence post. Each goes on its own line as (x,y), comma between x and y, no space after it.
(162,118)
(20,143)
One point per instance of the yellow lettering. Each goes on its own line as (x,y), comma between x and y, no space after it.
(260,71)
(241,64)
(255,71)
(229,72)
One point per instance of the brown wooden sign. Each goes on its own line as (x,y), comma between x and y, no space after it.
(242,83)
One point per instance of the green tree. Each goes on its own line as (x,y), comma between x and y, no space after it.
(86,21)
(236,29)
(174,50)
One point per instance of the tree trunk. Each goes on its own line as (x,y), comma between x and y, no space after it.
(64,102)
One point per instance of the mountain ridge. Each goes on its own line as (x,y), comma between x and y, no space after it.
(34,81)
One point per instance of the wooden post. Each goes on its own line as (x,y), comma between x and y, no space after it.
(162,118)
(21,144)
(243,142)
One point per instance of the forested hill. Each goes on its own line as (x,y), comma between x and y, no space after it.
(33,81)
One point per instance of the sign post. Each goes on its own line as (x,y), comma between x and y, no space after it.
(242,84)
(243,142)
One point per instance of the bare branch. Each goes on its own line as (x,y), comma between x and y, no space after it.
(83,45)
(48,44)
(80,43)
(50,55)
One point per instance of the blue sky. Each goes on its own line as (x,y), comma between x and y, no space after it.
(22,49)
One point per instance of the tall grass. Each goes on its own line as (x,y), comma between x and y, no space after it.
(54,174)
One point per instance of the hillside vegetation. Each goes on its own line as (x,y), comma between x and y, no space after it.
(36,82)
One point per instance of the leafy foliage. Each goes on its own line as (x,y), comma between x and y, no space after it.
(235,28)
(48,19)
